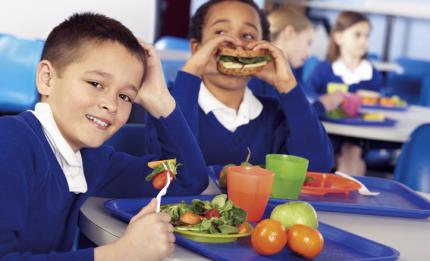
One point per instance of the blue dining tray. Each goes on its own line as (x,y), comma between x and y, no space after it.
(358,121)
(395,199)
(386,108)
(338,244)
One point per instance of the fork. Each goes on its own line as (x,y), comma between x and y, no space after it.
(363,190)
(163,191)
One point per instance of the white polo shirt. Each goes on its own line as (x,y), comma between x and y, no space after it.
(363,72)
(249,109)
(69,161)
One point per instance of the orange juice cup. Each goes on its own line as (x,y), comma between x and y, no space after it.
(249,188)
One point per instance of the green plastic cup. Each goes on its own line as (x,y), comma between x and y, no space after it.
(290,172)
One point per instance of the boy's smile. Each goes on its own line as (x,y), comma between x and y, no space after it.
(92,97)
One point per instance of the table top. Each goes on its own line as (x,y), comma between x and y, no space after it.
(407,121)
(409,236)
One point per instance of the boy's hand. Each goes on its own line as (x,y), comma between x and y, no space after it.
(203,61)
(331,101)
(153,94)
(277,72)
(149,236)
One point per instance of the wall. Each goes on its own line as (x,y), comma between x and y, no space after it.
(35,19)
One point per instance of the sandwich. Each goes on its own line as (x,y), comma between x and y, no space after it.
(239,62)
(368,97)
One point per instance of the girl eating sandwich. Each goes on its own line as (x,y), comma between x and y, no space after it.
(230,44)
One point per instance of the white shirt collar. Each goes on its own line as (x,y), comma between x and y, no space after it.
(363,72)
(249,109)
(70,162)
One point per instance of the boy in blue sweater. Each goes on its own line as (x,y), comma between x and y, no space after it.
(52,159)
(222,112)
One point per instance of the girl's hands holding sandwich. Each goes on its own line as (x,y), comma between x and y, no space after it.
(277,72)
(204,54)
(153,94)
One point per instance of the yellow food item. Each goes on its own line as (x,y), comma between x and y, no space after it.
(154,164)
(373,116)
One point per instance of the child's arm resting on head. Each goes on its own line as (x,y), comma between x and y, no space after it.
(278,72)
(153,95)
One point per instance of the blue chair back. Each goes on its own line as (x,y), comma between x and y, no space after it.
(18,62)
(413,165)
(308,67)
(173,43)
(425,92)
(408,84)
(170,69)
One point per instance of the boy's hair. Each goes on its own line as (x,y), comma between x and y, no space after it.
(199,19)
(67,41)
(344,21)
(281,18)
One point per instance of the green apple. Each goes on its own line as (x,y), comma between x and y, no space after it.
(295,212)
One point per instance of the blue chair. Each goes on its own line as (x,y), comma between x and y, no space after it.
(408,84)
(173,43)
(308,67)
(413,165)
(425,92)
(18,62)
(170,69)
(135,139)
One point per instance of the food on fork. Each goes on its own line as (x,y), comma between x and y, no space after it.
(240,62)
(161,169)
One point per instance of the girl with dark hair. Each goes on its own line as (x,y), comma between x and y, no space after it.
(224,115)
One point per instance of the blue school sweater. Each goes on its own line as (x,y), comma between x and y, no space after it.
(323,74)
(38,214)
(286,125)
(262,88)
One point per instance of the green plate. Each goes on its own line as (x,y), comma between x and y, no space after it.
(214,238)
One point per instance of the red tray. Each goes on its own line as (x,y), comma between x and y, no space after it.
(322,184)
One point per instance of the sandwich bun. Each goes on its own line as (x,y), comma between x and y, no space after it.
(236,68)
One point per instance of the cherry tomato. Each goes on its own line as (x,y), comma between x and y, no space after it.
(269,237)
(159,180)
(212,213)
(190,218)
(305,241)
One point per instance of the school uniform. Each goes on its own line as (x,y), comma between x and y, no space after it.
(364,77)
(266,125)
(43,182)
(262,88)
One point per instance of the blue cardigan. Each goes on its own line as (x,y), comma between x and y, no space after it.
(286,125)
(323,74)
(38,214)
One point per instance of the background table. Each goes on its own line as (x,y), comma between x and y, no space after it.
(409,236)
(407,121)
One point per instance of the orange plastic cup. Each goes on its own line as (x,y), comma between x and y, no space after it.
(249,188)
